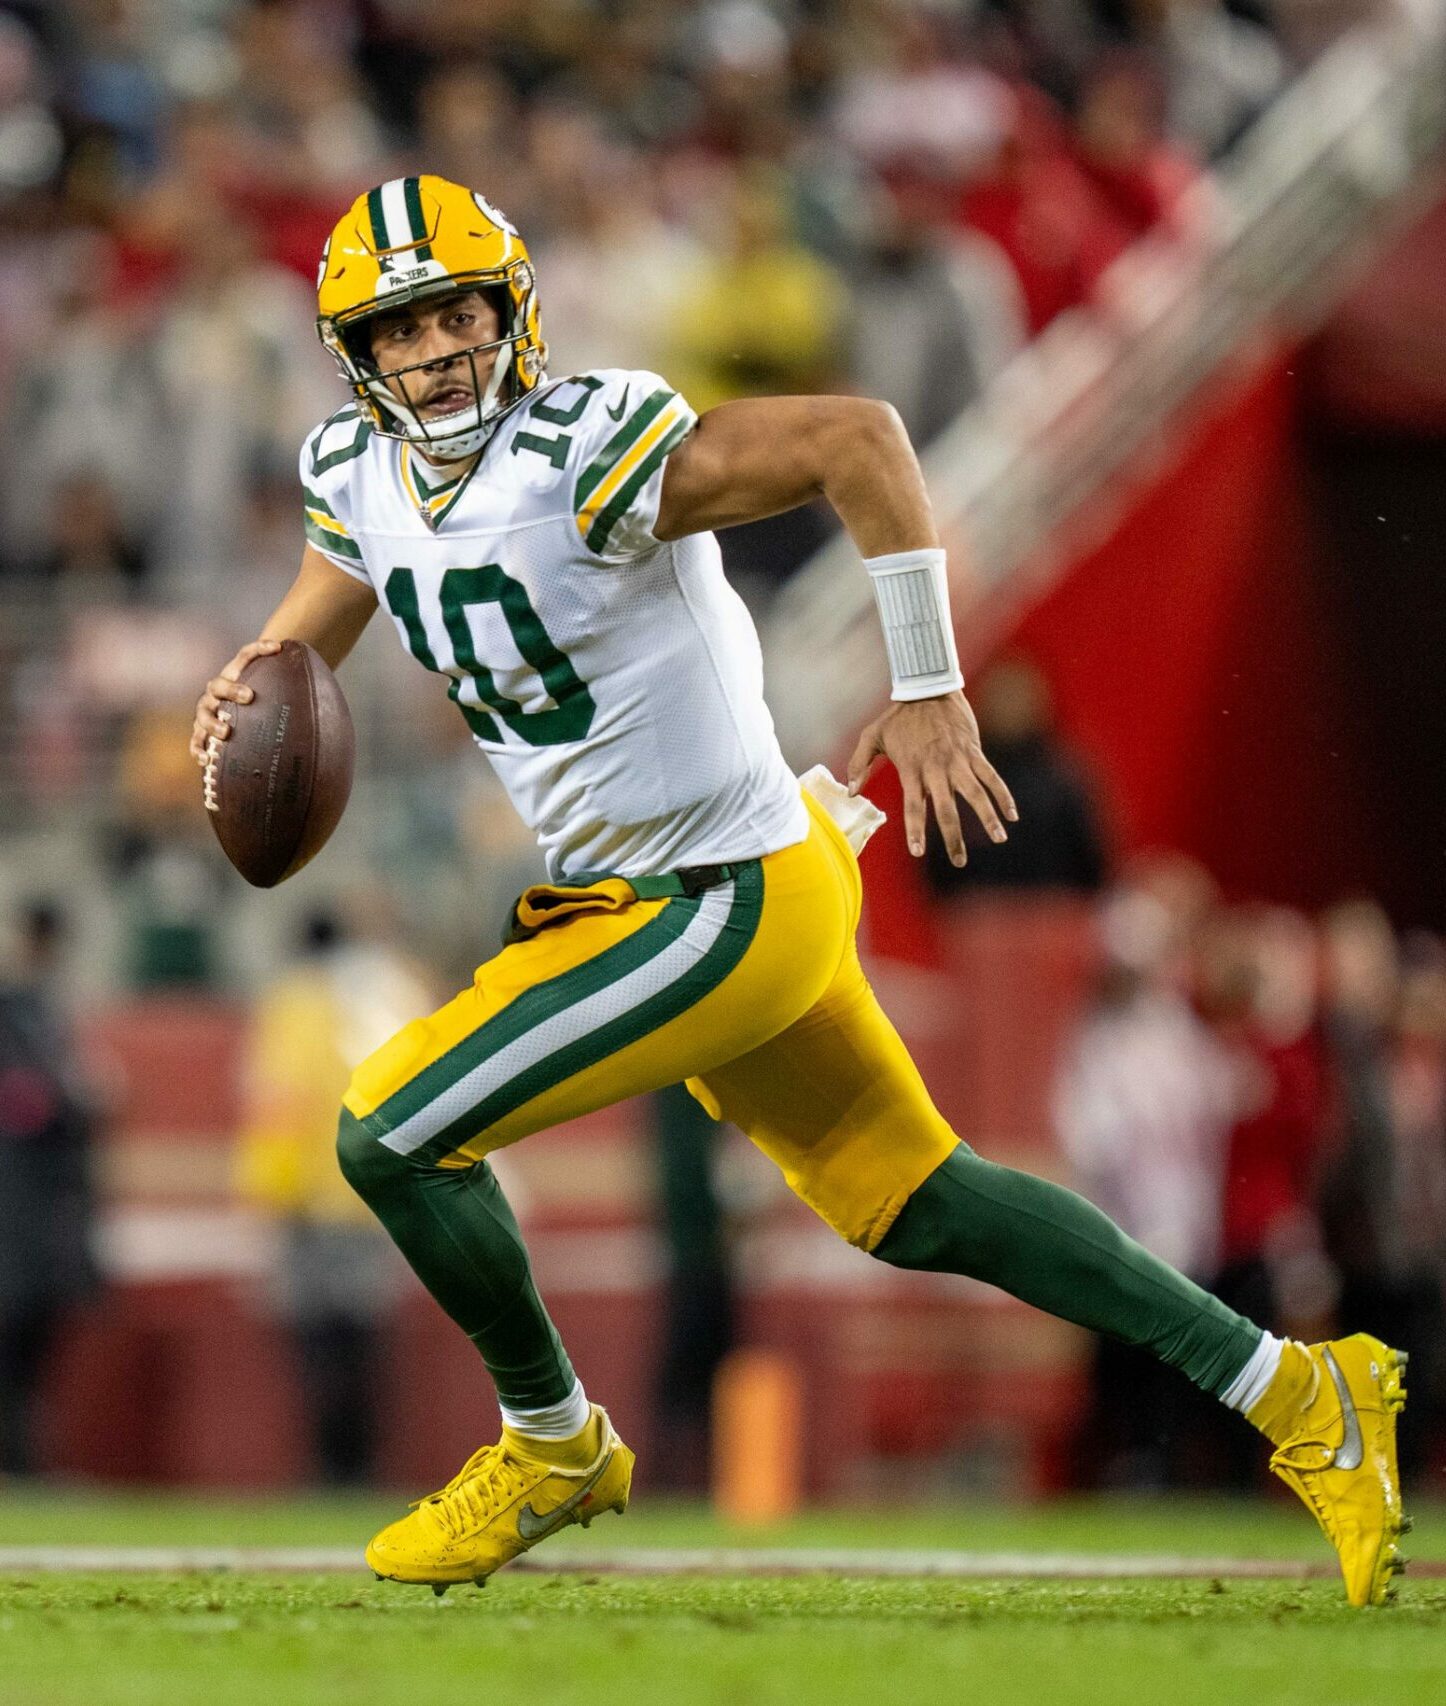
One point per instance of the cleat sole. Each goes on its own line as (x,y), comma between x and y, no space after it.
(439,1588)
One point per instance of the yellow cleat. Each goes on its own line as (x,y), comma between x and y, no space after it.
(501,1503)
(1331,1414)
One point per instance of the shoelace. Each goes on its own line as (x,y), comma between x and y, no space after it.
(488,1478)
(1299,1464)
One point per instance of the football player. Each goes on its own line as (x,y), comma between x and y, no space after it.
(545,544)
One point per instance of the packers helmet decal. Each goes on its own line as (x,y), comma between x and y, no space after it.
(415,239)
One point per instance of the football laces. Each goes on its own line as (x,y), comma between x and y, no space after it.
(210,773)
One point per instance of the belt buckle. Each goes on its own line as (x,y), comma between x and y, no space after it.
(698,879)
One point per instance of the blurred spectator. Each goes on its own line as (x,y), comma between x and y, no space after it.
(343,995)
(1032,200)
(1360,1196)
(86,558)
(239,393)
(615,279)
(171,882)
(1057,842)
(1256,985)
(31,144)
(47,1206)
(950,302)
(470,124)
(1418,1105)
(1260,993)
(114,87)
(87,400)
(1380,1193)
(913,98)
(697,1291)
(1221,68)
(1137,176)
(763,316)
(1143,1107)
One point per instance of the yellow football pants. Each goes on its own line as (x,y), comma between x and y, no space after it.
(751,991)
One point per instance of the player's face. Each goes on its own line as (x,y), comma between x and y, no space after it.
(437,335)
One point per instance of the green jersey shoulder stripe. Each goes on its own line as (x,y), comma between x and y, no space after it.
(338,544)
(628,433)
(617,507)
(346,452)
(314,500)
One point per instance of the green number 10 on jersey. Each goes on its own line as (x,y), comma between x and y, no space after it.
(472,687)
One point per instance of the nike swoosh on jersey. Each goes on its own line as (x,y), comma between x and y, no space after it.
(533,1527)
(1352,1448)
(617,413)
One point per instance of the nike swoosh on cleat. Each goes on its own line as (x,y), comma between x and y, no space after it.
(617,413)
(533,1527)
(1351,1450)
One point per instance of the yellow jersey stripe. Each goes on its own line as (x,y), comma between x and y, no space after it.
(673,415)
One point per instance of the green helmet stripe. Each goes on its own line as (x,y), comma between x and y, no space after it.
(412,190)
(378,219)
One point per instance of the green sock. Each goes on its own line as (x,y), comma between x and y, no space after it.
(1053,1249)
(455,1228)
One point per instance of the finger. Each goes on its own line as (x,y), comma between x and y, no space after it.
(215,719)
(968,784)
(946,813)
(915,814)
(864,754)
(227,687)
(252,649)
(996,786)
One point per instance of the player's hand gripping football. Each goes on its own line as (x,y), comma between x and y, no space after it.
(225,686)
(934,746)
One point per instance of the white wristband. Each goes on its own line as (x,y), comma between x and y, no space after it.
(911,589)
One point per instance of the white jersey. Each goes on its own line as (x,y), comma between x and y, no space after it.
(614,682)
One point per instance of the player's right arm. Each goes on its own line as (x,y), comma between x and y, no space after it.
(327,608)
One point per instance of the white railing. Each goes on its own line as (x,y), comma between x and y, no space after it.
(1272,238)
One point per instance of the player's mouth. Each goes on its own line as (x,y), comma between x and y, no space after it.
(449,400)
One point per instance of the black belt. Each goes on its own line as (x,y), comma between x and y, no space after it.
(688,883)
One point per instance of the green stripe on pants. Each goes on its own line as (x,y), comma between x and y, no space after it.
(436,1131)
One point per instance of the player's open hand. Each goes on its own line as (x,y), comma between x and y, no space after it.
(934,746)
(221,688)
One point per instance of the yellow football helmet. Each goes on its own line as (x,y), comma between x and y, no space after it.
(425,237)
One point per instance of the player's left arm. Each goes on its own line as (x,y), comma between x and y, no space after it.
(764,455)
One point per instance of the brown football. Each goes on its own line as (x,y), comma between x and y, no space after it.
(276,787)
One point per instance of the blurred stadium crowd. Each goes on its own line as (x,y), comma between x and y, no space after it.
(750,196)
(890,196)
(1260,1097)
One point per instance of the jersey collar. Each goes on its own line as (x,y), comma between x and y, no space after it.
(433,499)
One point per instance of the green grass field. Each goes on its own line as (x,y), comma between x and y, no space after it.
(119,1639)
